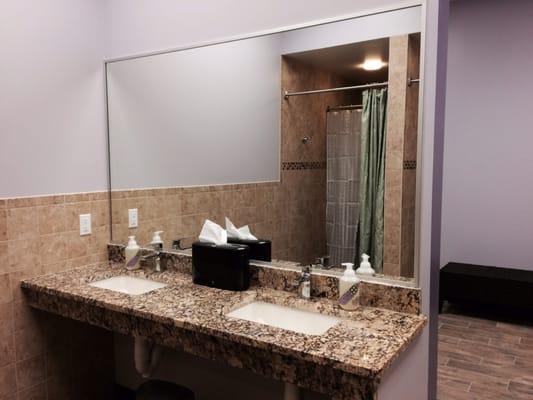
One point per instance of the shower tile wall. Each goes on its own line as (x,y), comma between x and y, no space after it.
(410,160)
(400,176)
(40,353)
(306,116)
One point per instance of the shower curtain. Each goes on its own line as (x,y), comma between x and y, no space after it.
(343,130)
(372,172)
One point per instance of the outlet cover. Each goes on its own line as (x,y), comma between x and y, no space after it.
(85,224)
(133,218)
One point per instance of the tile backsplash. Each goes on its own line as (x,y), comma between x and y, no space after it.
(40,353)
(283,212)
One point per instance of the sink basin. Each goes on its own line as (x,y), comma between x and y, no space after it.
(128,285)
(292,319)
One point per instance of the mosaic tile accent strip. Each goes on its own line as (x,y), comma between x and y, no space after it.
(409,164)
(302,165)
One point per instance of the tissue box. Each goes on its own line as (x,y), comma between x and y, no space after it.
(259,249)
(223,266)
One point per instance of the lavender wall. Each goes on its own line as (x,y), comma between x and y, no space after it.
(487,215)
(52,100)
(138,26)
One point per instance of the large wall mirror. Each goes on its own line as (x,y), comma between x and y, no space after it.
(309,136)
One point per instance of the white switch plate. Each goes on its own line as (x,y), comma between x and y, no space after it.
(85,224)
(133,218)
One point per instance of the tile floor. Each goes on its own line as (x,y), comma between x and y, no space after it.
(484,359)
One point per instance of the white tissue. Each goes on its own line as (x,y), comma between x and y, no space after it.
(213,233)
(239,233)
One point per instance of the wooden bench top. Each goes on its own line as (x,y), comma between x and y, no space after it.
(482,271)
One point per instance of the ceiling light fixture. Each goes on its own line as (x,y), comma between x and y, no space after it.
(372,64)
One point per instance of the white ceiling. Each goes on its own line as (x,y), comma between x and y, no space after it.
(344,60)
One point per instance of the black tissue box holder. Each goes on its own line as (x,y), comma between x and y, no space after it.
(260,249)
(224,266)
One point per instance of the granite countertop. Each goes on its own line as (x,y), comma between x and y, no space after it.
(364,343)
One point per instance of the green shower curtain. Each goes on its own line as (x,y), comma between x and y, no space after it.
(372,176)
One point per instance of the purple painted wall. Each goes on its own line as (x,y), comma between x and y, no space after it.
(52,126)
(487,215)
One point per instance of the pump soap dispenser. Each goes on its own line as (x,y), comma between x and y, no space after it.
(133,254)
(365,268)
(157,242)
(348,285)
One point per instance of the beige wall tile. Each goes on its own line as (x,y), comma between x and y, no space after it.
(29,342)
(72,214)
(53,248)
(3,224)
(4,259)
(24,316)
(30,372)
(5,289)
(6,316)
(77,246)
(52,219)
(8,380)
(100,213)
(23,254)
(22,223)
(391,269)
(22,202)
(50,200)
(7,348)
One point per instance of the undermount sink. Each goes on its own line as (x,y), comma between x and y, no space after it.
(292,319)
(128,284)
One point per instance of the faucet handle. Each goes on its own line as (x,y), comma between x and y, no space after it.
(176,244)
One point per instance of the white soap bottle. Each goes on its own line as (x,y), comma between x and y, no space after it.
(348,285)
(157,242)
(133,254)
(365,268)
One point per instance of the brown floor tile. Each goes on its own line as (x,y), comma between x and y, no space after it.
(522,389)
(484,359)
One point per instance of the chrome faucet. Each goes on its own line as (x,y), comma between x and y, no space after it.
(157,256)
(304,282)
(323,262)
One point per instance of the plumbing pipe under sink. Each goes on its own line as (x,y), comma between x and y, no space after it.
(147,356)
(291,392)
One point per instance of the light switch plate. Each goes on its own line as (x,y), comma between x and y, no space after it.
(85,224)
(133,218)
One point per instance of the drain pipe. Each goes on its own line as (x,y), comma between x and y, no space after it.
(147,356)
(291,392)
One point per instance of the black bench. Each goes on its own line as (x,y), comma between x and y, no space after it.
(479,285)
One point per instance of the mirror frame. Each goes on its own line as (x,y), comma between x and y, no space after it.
(415,282)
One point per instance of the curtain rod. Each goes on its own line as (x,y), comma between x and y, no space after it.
(349,107)
(338,89)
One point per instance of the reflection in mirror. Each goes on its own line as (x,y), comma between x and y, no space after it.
(309,137)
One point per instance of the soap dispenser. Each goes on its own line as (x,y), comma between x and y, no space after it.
(348,285)
(157,242)
(365,268)
(133,254)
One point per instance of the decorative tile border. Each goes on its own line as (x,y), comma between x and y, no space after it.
(409,164)
(301,165)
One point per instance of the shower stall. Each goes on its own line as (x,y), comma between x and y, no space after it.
(343,137)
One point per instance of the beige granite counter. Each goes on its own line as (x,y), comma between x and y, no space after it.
(347,361)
